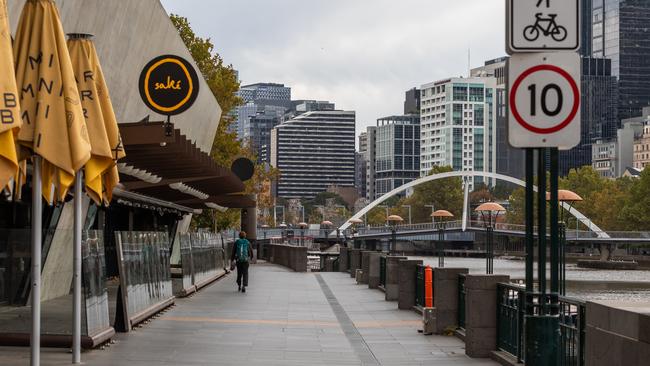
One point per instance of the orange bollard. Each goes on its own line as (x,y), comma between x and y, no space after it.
(428,287)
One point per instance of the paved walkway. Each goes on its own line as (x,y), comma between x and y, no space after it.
(285,318)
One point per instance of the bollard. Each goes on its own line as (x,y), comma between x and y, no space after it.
(428,287)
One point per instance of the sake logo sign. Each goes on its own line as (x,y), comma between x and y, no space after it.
(169,85)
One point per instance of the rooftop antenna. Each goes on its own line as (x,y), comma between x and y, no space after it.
(469,62)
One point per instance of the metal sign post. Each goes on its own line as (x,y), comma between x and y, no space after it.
(543,117)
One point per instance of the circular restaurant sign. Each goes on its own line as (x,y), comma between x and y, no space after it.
(169,85)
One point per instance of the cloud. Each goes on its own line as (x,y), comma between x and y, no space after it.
(360,54)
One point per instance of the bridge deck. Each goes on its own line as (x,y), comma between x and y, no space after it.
(285,318)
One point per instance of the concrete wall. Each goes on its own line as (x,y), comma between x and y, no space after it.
(480,313)
(288,256)
(129,34)
(406,274)
(617,333)
(392,277)
(445,298)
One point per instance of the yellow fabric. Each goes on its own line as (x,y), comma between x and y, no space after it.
(9,107)
(53,122)
(100,120)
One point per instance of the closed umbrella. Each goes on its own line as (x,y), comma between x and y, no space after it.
(53,131)
(10,121)
(106,148)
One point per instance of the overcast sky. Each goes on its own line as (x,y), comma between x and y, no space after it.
(360,54)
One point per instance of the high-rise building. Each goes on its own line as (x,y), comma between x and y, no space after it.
(458,125)
(397,152)
(412,101)
(313,151)
(360,171)
(620,32)
(510,160)
(264,106)
(361,180)
(599,120)
(371,157)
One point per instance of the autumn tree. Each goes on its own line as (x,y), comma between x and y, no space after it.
(223,83)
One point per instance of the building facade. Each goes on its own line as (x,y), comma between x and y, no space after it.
(397,152)
(360,171)
(313,151)
(458,125)
(620,33)
(412,101)
(370,156)
(264,106)
(599,112)
(510,160)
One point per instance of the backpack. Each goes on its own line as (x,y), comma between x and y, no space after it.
(242,246)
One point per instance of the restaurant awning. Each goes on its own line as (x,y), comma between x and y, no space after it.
(162,163)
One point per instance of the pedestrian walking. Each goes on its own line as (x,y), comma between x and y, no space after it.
(241,255)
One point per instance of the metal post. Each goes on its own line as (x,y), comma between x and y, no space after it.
(441,243)
(530,225)
(393,241)
(490,249)
(555,255)
(76,318)
(541,227)
(37,231)
(562,258)
(465,204)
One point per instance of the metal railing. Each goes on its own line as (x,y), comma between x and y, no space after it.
(510,319)
(419,286)
(382,271)
(510,325)
(572,331)
(461,301)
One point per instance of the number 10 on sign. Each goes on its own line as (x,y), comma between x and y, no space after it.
(544,100)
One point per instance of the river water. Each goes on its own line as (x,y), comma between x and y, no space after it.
(582,283)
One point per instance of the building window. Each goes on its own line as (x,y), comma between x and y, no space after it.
(460,92)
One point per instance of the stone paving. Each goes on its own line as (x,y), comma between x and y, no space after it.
(285,318)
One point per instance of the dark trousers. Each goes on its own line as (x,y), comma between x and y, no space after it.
(242,271)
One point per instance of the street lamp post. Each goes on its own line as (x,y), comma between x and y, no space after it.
(570,198)
(491,210)
(327,225)
(354,223)
(283,228)
(442,215)
(394,220)
(302,225)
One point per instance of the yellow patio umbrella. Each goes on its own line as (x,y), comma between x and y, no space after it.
(53,119)
(53,133)
(101,170)
(10,121)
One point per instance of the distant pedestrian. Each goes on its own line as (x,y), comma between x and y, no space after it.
(242,254)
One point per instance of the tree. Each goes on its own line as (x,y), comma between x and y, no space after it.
(223,83)
(635,212)
(446,194)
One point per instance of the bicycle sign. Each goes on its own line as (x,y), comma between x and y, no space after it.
(544,100)
(542,25)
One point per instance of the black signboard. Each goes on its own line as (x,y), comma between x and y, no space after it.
(169,85)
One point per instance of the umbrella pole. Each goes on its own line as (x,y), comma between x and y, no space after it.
(37,231)
(76,319)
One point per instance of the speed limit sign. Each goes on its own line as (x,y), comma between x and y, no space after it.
(544,100)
